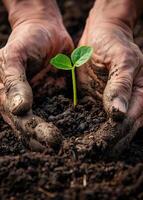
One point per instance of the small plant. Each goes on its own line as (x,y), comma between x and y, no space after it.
(78,57)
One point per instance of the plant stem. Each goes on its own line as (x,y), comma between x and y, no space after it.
(74,87)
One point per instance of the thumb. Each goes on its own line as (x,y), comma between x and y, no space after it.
(118,90)
(19,96)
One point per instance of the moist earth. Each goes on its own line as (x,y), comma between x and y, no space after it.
(77,170)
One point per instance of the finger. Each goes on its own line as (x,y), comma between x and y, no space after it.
(35,133)
(45,133)
(134,119)
(118,90)
(19,94)
(136,104)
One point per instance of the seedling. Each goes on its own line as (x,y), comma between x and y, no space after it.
(78,57)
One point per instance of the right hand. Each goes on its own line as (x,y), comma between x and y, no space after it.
(29,48)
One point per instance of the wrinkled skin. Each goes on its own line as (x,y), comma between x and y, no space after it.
(29,48)
(37,39)
(34,40)
(115,50)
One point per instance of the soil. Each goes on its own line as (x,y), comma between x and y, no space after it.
(78,170)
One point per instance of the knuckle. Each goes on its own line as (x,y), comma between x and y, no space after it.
(12,50)
(130,56)
(122,84)
(126,63)
(11,68)
(9,57)
(125,84)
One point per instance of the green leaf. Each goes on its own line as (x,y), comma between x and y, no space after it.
(81,55)
(61,61)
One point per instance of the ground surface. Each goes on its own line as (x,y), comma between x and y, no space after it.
(76,171)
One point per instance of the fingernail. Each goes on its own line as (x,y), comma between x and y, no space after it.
(15,103)
(119,108)
(119,104)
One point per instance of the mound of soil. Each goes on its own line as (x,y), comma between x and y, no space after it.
(77,171)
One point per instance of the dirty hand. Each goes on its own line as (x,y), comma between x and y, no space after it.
(37,34)
(109,30)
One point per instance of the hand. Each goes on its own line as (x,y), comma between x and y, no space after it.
(114,48)
(32,43)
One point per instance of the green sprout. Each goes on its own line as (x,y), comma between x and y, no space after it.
(78,57)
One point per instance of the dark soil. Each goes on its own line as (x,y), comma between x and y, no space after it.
(77,171)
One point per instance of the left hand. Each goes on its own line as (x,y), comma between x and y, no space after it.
(115,50)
